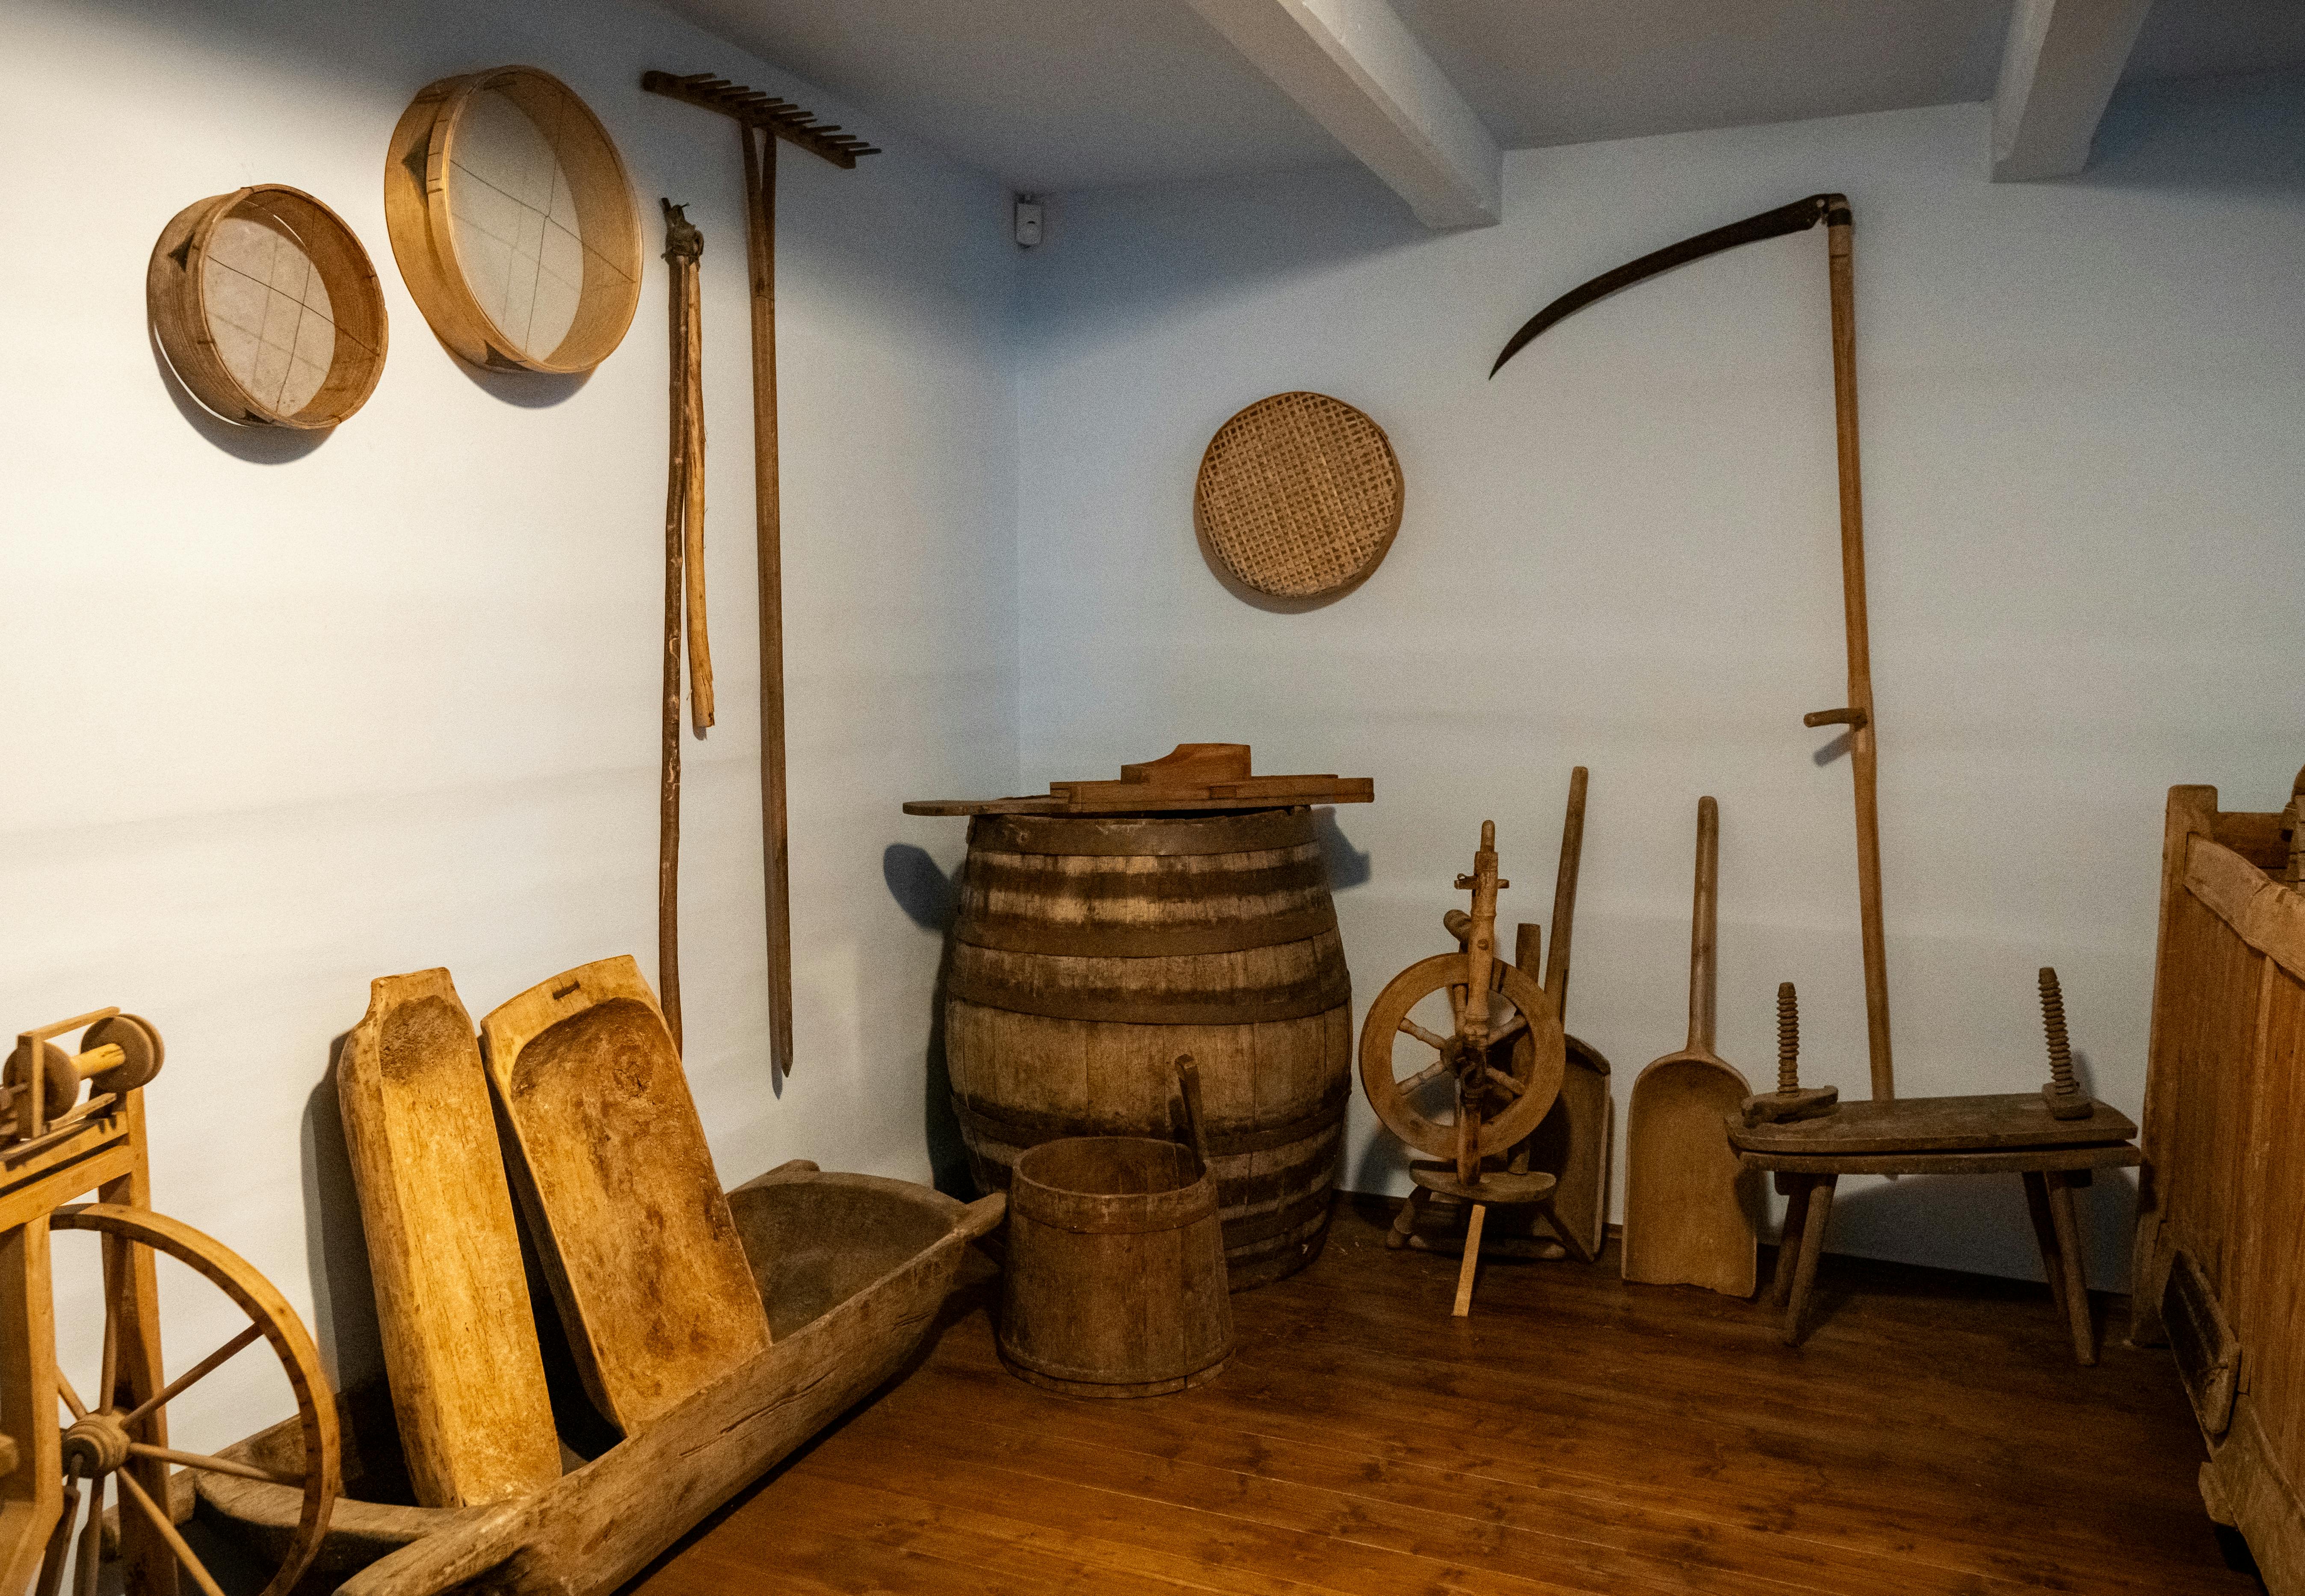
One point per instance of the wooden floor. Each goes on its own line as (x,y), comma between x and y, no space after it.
(1577,1434)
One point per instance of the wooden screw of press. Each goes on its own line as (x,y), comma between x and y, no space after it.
(756,113)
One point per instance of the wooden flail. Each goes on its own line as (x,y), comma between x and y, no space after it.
(683,587)
(761,121)
(56,1149)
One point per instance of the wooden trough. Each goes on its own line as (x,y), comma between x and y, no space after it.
(853,1270)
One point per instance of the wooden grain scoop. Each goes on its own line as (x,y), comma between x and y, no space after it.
(1686,1220)
(611,1161)
(451,1299)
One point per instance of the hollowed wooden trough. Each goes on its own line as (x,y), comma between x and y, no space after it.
(853,1269)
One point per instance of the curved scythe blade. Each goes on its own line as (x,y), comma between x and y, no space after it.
(1797,217)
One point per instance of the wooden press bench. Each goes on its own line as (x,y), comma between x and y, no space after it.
(2013,1134)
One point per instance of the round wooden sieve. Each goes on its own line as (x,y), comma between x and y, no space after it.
(1299,495)
(512,221)
(268,309)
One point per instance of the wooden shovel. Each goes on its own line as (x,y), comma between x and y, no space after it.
(1686,1223)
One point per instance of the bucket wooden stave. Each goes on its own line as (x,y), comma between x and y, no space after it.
(1092,952)
(1116,1277)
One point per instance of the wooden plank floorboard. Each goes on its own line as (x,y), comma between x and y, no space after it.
(1577,1437)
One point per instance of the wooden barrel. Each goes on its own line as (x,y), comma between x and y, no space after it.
(1116,1277)
(1091,951)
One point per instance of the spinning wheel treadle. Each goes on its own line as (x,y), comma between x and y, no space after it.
(1513,1097)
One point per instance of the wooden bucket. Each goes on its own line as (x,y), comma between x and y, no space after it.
(1116,1277)
(1091,950)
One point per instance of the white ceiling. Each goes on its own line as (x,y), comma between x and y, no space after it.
(1063,94)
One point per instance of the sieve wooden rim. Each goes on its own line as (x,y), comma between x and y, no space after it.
(175,295)
(1299,495)
(424,241)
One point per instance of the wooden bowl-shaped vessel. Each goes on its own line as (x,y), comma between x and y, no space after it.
(853,1270)
(267,307)
(513,222)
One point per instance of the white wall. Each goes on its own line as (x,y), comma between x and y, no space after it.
(283,717)
(2081,404)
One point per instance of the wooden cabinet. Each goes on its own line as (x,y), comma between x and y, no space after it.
(2221,1205)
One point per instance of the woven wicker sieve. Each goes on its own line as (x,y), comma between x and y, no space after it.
(1299,495)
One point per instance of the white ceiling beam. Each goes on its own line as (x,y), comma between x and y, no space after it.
(2058,70)
(1357,70)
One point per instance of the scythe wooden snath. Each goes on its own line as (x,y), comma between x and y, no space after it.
(1857,714)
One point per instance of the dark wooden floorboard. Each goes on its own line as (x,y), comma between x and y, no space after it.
(1576,1437)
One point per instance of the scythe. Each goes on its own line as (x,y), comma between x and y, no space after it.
(1857,714)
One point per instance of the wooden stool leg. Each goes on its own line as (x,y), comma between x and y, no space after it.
(1404,1222)
(1812,1242)
(1794,1189)
(2045,1233)
(2069,1243)
(1472,1260)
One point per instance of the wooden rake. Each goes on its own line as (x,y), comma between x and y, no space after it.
(762,120)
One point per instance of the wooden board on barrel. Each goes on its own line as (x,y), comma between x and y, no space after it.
(1093,949)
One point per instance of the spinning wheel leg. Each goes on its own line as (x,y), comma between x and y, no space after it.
(1472,1260)
(1404,1222)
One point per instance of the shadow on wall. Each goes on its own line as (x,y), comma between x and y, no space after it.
(258,446)
(930,899)
(336,1249)
(1347,866)
(1981,1218)
(2240,133)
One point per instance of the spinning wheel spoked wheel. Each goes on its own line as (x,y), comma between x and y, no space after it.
(123,1439)
(1440,1091)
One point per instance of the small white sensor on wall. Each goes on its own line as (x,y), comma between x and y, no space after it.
(1028,221)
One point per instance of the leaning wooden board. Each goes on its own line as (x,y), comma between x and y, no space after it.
(459,1343)
(611,1163)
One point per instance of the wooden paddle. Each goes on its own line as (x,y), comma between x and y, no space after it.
(1686,1223)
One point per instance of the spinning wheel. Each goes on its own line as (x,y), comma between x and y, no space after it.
(1474,1091)
(52,1150)
(98,1442)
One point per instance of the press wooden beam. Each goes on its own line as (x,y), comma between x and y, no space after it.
(1356,70)
(2058,70)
